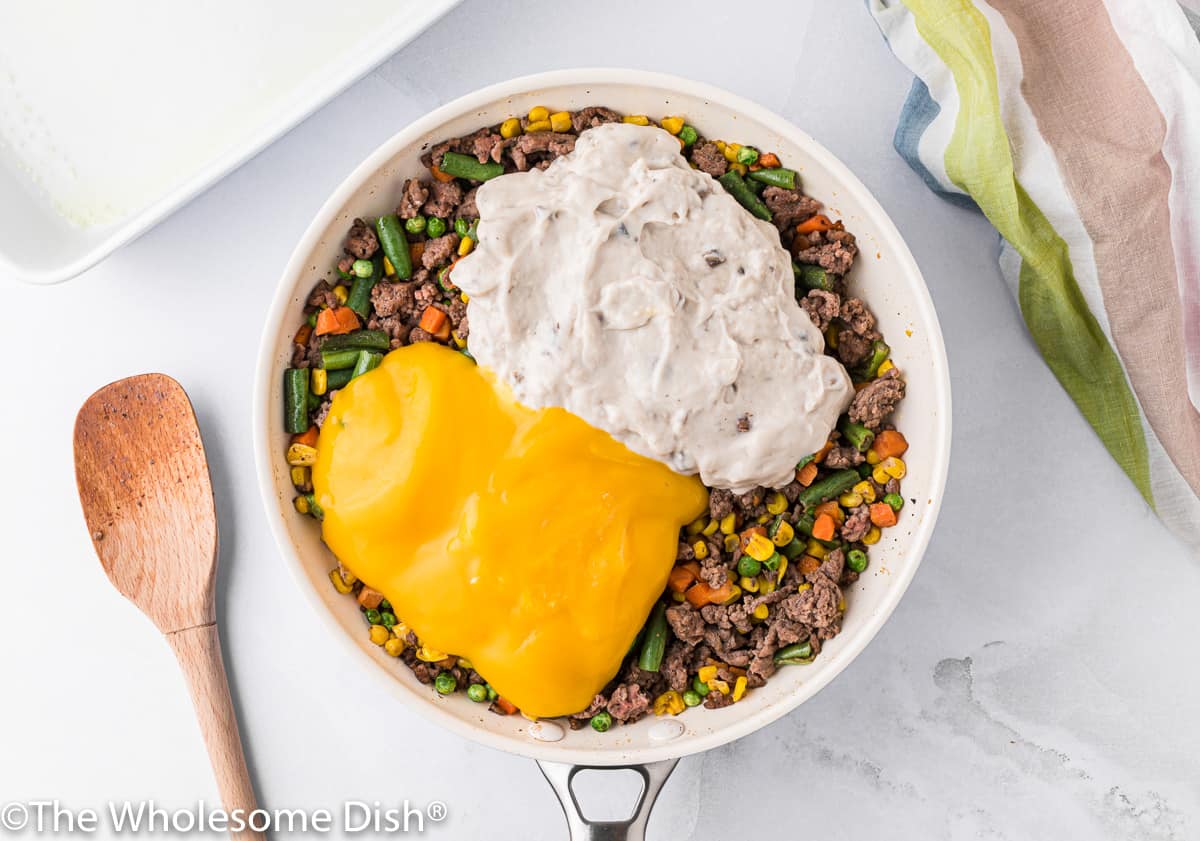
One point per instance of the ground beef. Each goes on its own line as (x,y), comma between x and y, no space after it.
(839,458)
(835,251)
(592,116)
(467,209)
(323,409)
(418,335)
(307,355)
(831,567)
(542,145)
(686,623)
(412,197)
(852,348)
(822,307)
(393,299)
(628,702)
(439,251)
(858,318)
(857,524)
(708,158)
(877,400)
(788,207)
(322,296)
(361,242)
(892,486)
(674,668)
(444,197)
(714,569)
(720,503)
(487,146)
(816,607)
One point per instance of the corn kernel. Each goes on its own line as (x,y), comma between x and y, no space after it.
(679,597)
(880,475)
(637,120)
(464,246)
(466,299)
(803,587)
(379,634)
(777,504)
(299,477)
(695,526)
(842,605)
(815,549)
(760,547)
(430,655)
(783,562)
(763,519)
(766,584)
(729,523)
(873,457)
(318,381)
(737,594)
(748,584)
(719,685)
(894,467)
(388,268)
(784,534)
(539,113)
(740,169)
(872,537)
(335,575)
(762,612)
(850,500)
(886,366)
(739,688)
(831,336)
(400,631)
(301,455)
(720,144)
(706,673)
(394,647)
(673,124)
(537,126)
(700,548)
(560,121)
(730,152)
(669,703)
(341,293)
(731,542)
(710,528)
(866,490)
(510,128)
(459,341)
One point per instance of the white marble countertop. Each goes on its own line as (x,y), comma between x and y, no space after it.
(1038,681)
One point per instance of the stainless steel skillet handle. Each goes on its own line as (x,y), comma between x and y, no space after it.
(653,775)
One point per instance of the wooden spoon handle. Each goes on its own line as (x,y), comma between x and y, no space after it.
(199,653)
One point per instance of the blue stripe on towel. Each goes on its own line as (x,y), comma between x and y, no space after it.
(919,111)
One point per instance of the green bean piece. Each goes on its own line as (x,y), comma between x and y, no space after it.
(864,470)
(358,340)
(809,276)
(879,354)
(857,435)
(805,460)
(772,563)
(775,177)
(477,692)
(314,510)
(795,654)
(856,559)
(443,280)
(894,500)
(338,379)
(748,567)
(793,550)
(359,298)
(311,321)
(414,225)
(445,683)
(828,488)
(736,186)
(688,135)
(367,361)
(700,686)
(395,245)
(435,227)
(295,400)
(469,167)
(756,187)
(363,268)
(601,721)
(804,524)
(655,642)
(333,360)
(692,698)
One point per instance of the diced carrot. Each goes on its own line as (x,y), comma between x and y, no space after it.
(824,528)
(819,456)
(883,515)
(308,437)
(832,509)
(890,443)
(769,160)
(415,250)
(303,334)
(746,534)
(806,474)
(682,576)
(439,175)
(809,565)
(369,598)
(432,320)
(700,594)
(336,320)
(506,706)
(819,222)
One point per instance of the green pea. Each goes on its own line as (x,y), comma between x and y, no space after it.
(688,135)
(415,225)
(363,268)
(373,616)
(894,500)
(747,155)
(477,692)
(692,698)
(435,227)
(445,683)
(312,319)
(385,605)
(748,567)
(462,227)
(387,618)
(601,721)
(856,559)
(700,687)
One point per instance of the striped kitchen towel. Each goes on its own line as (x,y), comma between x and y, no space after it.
(1074,126)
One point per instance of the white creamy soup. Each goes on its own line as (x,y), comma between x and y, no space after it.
(632,290)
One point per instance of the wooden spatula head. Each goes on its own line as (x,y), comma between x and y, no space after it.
(147,498)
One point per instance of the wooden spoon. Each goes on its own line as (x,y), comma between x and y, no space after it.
(143,482)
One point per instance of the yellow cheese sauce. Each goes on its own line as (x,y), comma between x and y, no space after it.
(525,540)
